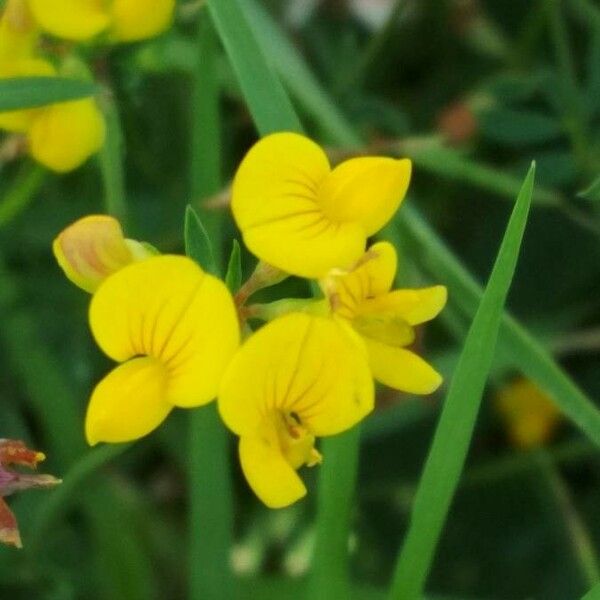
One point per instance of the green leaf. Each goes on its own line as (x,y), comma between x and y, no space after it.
(592,192)
(197,243)
(518,127)
(456,424)
(269,104)
(233,276)
(593,594)
(31,92)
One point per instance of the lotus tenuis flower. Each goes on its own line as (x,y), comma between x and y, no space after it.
(530,416)
(305,218)
(298,378)
(174,329)
(14,453)
(93,248)
(386,318)
(119,20)
(60,136)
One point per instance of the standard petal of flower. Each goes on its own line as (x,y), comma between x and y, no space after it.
(9,530)
(269,474)
(275,204)
(128,403)
(168,308)
(311,366)
(402,369)
(134,20)
(366,190)
(65,135)
(415,306)
(91,249)
(71,19)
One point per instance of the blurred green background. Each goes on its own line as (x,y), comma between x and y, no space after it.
(472,91)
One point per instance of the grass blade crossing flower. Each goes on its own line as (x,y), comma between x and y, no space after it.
(304,218)
(297,378)
(174,328)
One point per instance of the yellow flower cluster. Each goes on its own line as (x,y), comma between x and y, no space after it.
(64,135)
(310,371)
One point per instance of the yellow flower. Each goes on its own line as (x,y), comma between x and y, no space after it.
(299,215)
(299,377)
(61,136)
(385,319)
(174,328)
(94,247)
(530,416)
(121,20)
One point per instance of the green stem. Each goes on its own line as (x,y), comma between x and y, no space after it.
(22,192)
(209,475)
(575,528)
(575,118)
(111,163)
(337,482)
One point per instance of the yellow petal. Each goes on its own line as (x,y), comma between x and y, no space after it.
(66,134)
(135,20)
(267,471)
(275,204)
(414,306)
(402,369)
(386,328)
(366,190)
(302,364)
(91,249)
(18,33)
(168,308)
(372,276)
(128,403)
(71,19)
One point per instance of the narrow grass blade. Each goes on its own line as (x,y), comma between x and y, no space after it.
(30,92)
(208,452)
(593,594)
(197,243)
(233,275)
(21,193)
(455,427)
(269,104)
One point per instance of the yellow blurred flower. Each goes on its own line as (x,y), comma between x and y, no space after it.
(60,136)
(174,328)
(299,215)
(120,20)
(93,248)
(297,378)
(530,416)
(385,319)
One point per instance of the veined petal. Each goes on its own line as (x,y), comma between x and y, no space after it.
(415,306)
(275,205)
(372,276)
(366,190)
(135,20)
(71,19)
(65,135)
(272,478)
(128,403)
(401,369)
(310,366)
(168,308)
(91,249)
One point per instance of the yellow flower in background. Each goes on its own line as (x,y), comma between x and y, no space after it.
(385,319)
(297,378)
(61,136)
(94,247)
(120,20)
(174,328)
(300,216)
(530,416)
